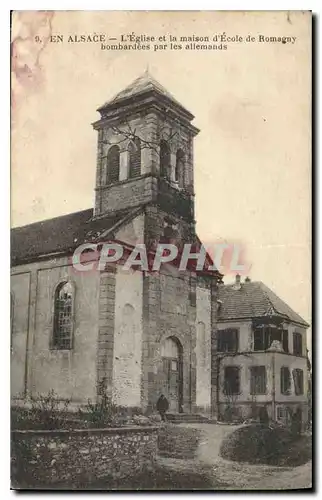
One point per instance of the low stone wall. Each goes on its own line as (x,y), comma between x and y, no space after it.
(63,456)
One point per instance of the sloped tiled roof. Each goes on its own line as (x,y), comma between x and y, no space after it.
(252,300)
(58,234)
(141,85)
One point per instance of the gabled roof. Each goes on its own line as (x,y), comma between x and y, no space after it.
(60,234)
(253,300)
(140,86)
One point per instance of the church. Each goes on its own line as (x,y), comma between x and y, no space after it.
(133,334)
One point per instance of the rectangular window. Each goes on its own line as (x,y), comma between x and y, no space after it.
(285,380)
(281,413)
(264,336)
(232,380)
(261,338)
(297,344)
(227,340)
(258,380)
(285,340)
(258,340)
(298,381)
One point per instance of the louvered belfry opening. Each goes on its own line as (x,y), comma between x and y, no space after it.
(179,171)
(134,150)
(165,159)
(113,164)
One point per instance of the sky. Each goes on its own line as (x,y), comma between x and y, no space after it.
(252,103)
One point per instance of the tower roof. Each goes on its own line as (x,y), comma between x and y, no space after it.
(144,84)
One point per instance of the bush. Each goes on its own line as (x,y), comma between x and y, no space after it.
(100,414)
(48,412)
(260,444)
(44,412)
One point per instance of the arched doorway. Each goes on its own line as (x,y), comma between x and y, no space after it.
(171,353)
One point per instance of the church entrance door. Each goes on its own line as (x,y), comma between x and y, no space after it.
(171,352)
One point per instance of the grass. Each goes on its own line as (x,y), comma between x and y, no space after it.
(258,444)
(178,442)
(159,478)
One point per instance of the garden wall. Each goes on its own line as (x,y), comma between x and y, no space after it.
(67,457)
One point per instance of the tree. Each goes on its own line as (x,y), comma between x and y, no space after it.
(130,133)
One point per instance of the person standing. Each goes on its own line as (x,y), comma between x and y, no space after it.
(162,406)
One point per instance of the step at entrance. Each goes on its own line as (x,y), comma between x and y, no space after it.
(178,418)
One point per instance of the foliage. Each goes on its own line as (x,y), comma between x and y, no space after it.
(261,444)
(178,442)
(43,412)
(48,412)
(231,413)
(22,453)
(100,414)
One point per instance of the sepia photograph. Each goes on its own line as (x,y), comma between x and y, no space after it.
(160,289)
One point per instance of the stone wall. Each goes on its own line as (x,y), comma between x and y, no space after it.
(160,322)
(20,292)
(203,348)
(152,127)
(127,194)
(70,457)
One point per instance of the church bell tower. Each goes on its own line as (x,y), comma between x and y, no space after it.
(145,158)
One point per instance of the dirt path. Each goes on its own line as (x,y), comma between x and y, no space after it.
(235,475)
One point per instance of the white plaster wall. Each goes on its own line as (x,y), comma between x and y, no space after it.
(268,359)
(70,373)
(20,286)
(128,338)
(292,329)
(245,362)
(203,352)
(245,340)
(292,362)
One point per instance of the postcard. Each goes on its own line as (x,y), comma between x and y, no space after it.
(161,250)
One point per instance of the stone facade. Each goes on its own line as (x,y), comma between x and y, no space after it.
(171,303)
(151,127)
(47,458)
(134,334)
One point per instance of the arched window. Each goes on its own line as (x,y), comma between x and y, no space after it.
(134,158)
(179,171)
(165,159)
(63,316)
(113,164)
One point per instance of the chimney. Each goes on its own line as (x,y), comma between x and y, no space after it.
(247,279)
(237,285)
